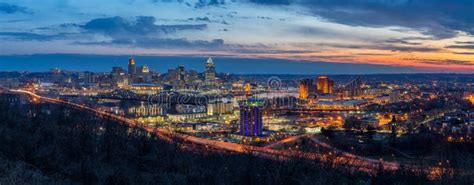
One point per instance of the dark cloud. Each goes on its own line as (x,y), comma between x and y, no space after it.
(17,20)
(407,49)
(160,43)
(459,62)
(204,19)
(145,33)
(390,47)
(271,51)
(402,41)
(438,18)
(272,2)
(464,42)
(264,17)
(140,32)
(11,9)
(332,57)
(203,3)
(449,62)
(463,46)
(464,53)
(142,25)
(418,38)
(179,43)
(372,54)
(26,36)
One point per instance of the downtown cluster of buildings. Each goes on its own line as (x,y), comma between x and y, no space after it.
(250,107)
(323,85)
(172,96)
(323,93)
(142,80)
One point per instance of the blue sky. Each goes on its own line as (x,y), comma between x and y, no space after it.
(422,34)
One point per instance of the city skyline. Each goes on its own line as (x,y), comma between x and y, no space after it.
(103,63)
(237,92)
(418,35)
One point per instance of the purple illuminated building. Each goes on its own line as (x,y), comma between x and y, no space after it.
(251,122)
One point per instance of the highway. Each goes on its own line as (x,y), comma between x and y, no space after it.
(335,158)
(283,141)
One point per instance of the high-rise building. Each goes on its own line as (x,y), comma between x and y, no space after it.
(248,89)
(181,73)
(251,117)
(131,68)
(117,71)
(89,77)
(144,69)
(172,75)
(305,86)
(119,77)
(325,85)
(193,75)
(143,74)
(210,72)
(469,96)
(219,107)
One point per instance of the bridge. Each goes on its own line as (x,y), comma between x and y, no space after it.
(165,97)
(308,110)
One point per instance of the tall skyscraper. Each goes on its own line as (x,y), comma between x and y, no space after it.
(88,77)
(251,117)
(131,68)
(181,73)
(119,77)
(143,74)
(210,72)
(117,71)
(193,75)
(172,75)
(325,85)
(248,89)
(305,86)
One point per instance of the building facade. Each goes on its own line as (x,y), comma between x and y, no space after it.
(305,88)
(131,68)
(325,85)
(251,117)
(210,72)
(219,107)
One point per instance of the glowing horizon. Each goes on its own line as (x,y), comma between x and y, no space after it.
(429,35)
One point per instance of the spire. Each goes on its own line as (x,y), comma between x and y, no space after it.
(209,61)
(131,61)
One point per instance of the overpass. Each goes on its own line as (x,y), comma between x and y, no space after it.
(316,110)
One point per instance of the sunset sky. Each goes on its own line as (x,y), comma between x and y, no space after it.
(423,34)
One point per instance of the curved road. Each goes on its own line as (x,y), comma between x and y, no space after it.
(337,158)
